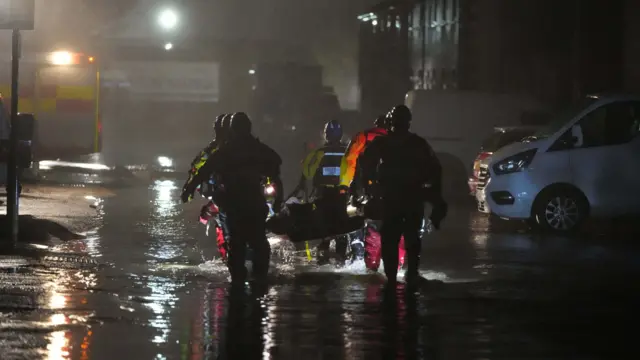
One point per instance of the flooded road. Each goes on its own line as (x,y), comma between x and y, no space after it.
(142,286)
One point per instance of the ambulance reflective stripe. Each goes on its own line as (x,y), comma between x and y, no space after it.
(75,93)
(52,98)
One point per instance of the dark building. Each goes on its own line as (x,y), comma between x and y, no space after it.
(551,50)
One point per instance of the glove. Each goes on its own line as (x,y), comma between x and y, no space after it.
(355,201)
(277,205)
(204,212)
(186,196)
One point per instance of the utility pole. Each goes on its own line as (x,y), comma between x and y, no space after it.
(15,15)
(12,166)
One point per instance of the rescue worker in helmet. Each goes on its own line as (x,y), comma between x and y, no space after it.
(404,171)
(241,165)
(355,149)
(208,185)
(219,137)
(321,168)
(369,248)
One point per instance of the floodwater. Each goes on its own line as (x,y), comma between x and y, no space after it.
(143,286)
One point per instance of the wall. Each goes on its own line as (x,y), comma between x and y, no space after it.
(554,51)
(434,27)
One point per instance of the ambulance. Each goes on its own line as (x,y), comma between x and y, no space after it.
(62,90)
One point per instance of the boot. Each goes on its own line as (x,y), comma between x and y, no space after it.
(412,276)
(357,247)
(236,264)
(323,252)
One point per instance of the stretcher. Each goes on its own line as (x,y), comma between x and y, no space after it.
(301,222)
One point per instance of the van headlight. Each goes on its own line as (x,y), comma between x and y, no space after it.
(514,163)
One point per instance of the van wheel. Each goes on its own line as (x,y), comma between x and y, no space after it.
(560,211)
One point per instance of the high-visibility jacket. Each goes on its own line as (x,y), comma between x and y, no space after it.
(354,150)
(202,157)
(323,166)
(196,165)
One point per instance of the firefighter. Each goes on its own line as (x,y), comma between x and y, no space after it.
(349,179)
(322,167)
(241,165)
(404,172)
(368,250)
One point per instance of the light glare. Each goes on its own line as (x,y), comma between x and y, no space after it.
(61,58)
(165,161)
(168,19)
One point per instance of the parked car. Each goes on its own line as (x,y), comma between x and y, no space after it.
(502,137)
(584,163)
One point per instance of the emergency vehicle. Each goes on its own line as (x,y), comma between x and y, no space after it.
(62,90)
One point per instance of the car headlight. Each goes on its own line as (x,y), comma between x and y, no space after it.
(164,161)
(514,163)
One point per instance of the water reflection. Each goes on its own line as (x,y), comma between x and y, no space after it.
(164,202)
(86,344)
(245,335)
(58,348)
(92,243)
(162,299)
(56,299)
(401,325)
(270,306)
(166,228)
(168,234)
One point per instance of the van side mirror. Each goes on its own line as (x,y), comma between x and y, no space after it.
(26,127)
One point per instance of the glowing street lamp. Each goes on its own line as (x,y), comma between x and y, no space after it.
(168,19)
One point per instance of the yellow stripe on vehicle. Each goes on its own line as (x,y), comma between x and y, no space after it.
(46,105)
(75,93)
(26,106)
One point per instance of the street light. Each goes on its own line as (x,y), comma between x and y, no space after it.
(168,46)
(168,19)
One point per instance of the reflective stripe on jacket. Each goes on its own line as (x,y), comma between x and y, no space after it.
(323,166)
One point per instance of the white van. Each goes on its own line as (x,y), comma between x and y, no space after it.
(584,163)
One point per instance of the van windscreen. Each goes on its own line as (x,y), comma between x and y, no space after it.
(563,117)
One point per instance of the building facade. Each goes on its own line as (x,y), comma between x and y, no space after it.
(552,50)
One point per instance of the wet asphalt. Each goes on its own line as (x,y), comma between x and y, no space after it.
(143,286)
